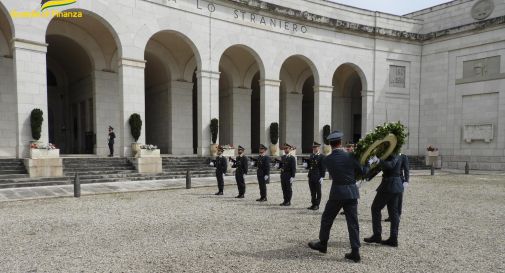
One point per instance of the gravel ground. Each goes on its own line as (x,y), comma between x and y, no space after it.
(451,223)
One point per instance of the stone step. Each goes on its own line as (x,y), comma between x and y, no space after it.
(32,184)
(17,171)
(12,176)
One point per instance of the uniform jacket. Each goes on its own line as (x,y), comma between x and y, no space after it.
(112,136)
(391,175)
(221,165)
(404,175)
(316,166)
(288,165)
(242,164)
(263,165)
(342,167)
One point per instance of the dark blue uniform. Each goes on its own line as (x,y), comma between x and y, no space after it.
(405,176)
(241,166)
(288,171)
(388,193)
(263,168)
(316,172)
(342,167)
(221,166)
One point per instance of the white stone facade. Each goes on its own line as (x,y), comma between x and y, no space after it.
(303,64)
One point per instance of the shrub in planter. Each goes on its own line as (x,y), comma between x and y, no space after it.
(36,119)
(274,133)
(326,133)
(135,126)
(214,129)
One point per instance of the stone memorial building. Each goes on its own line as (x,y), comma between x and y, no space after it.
(302,63)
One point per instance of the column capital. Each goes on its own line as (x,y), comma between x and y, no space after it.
(323,88)
(132,62)
(29,45)
(208,74)
(270,82)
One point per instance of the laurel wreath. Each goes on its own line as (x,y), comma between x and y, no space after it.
(379,133)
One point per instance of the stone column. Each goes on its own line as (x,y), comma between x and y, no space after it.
(241,117)
(180,127)
(107,109)
(293,123)
(367,111)
(31,90)
(208,108)
(322,109)
(342,117)
(269,108)
(132,100)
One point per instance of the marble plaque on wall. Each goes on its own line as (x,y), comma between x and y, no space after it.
(473,132)
(481,67)
(397,76)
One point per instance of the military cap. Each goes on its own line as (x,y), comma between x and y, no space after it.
(110,128)
(220,148)
(241,148)
(263,147)
(335,135)
(315,144)
(287,146)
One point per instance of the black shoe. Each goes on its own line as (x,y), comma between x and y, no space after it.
(282,204)
(219,193)
(313,207)
(387,220)
(373,239)
(317,245)
(262,199)
(239,196)
(287,204)
(390,242)
(353,256)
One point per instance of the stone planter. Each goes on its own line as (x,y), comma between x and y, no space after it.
(144,153)
(433,158)
(229,152)
(135,149)
(274,149)
(432,153)
(44,153)
(213,149)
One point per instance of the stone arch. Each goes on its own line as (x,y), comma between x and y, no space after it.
(349,106)
(229,67)
(170,100)
(6,31)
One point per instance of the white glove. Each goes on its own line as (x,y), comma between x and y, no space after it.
(266,177)
(211,164)
(276,166)
(291,180)
(373,160)
(405,185)
(305,164)
(223,175)
(321,180)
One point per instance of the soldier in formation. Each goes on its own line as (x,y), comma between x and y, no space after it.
(316,175)
(240,164)
(221,167)
(288,171)
(263,172)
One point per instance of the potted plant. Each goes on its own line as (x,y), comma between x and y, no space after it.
(214,130)
(432,154)
(326,133)
(135,122)
(274,138)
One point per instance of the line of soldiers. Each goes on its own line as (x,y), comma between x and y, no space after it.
(344,194)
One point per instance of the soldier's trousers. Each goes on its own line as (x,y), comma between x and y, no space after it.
(331,210)
(287,191)
(111,148)
(263,186)
(315,191)
(380,201)
(240,183)
(220,182)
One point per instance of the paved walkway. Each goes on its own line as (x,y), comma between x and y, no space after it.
(29,193)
